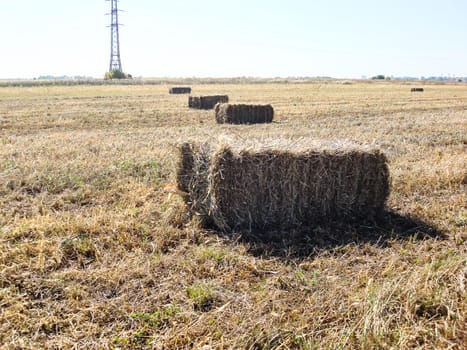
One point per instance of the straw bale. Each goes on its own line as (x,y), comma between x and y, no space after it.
(416,89)
(243,113)
(180,90)
(263,184)
(206,102)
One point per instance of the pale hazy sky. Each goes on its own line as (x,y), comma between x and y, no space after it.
(216,38)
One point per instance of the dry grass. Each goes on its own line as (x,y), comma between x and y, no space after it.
(94,254)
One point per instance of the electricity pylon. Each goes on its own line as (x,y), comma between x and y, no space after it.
(115,60)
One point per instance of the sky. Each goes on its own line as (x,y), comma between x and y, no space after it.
(254,38)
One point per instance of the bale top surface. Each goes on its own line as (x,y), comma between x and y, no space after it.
(287,145)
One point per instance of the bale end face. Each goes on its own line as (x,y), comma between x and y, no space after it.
(185,167)
(194,102)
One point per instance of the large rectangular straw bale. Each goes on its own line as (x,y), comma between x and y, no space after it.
(206,102)
(263,184)
(243,113)
(180,90)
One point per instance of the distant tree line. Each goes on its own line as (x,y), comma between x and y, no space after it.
(432,78)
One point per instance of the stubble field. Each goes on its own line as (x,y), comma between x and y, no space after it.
(94,254)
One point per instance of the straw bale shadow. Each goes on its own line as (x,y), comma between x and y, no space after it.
(308,241)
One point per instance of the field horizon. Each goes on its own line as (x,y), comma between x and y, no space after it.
(71,81)
(96,254)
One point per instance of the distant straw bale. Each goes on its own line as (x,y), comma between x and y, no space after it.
(180,90)
(262,184)
(206,102)
(416,89)
(243,114)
